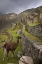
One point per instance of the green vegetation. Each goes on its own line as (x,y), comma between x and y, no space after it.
(13,32)
(26,28)
(11,60)
(34,38)
(3,37)
(34,24)
(19,48)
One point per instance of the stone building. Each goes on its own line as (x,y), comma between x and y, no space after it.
(35,19)
(13,26)
(41,15)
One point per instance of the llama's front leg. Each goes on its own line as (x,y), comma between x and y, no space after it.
(3,56)
(12,54)
(5,52)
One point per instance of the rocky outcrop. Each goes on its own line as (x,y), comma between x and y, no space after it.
(31,48)
(20,54)
(26,60)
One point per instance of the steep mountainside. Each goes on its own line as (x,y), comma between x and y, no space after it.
(24,14)
(34,22)
(6,20)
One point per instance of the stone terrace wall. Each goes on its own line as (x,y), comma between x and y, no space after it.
(29,48)
(36,30)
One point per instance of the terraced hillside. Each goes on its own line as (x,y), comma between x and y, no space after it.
(32,37)
(31,25)
(7,19)
(34,22)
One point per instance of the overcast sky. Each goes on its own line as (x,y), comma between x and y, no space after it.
(17,6)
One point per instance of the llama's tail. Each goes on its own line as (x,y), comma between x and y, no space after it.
(4,50)
(3,46)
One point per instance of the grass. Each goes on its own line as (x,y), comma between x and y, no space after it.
(13,32)
(3,37)
(11,60)
(14,60)
(34,24)
(36,39)
(26,28)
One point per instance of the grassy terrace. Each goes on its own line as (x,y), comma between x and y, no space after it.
(3,37)
(36,39)
(34,24)
(32,37)
(19,48)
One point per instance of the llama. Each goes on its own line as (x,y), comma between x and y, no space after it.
(10,46)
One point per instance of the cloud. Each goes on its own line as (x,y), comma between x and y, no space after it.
(26,3)
(17,6)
